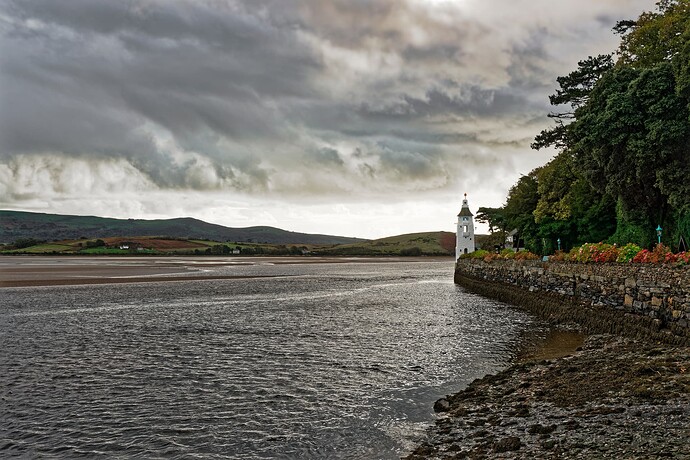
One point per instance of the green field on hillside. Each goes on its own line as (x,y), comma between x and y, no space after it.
(412,244)
(415,244)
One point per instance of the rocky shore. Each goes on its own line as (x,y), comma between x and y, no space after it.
(624,393)
(615,397)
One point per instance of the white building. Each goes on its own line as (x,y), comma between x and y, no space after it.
(464,239)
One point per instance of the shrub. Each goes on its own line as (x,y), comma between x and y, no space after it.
(22,243)
(603,252)
(479,254)
(413,251)
(657,256)
(628,252)
(683,258)
(559,256)
(526,255)
(593,252)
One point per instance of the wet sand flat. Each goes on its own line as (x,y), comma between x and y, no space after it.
(24,271)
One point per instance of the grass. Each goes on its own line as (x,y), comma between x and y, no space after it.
(428,243)
(43,248)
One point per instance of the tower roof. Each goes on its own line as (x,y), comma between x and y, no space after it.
(465,210)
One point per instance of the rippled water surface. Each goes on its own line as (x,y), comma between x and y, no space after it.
(322,361)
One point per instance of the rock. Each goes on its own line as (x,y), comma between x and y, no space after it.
(511,443)
(442,405)
(540,429)
(616,398)
(548,444)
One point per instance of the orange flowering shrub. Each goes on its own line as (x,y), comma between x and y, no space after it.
(526,255)
(657,256)
(594,253)
(683,258)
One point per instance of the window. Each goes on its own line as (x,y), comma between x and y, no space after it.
(464,228)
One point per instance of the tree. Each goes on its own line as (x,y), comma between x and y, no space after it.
(655,37)
(519,209)
(493,217)
(631,141)
(574,91)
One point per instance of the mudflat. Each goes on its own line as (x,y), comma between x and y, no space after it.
(25,271)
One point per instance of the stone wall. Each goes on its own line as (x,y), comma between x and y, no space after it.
(658,294)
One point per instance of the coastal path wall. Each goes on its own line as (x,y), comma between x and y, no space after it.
(642,299)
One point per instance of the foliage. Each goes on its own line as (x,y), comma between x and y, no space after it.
(428,243)
(22,243)
(18,224)
(574,91)
(525,255)
(414,251)
(506,254)
(493,217)
(602,253)
(593,252)
(478,254)
(683,258)
(628,252)
(623,133)
(660,254)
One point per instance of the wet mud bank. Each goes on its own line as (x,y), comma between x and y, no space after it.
(623,393)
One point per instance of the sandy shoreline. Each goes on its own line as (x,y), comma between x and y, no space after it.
(32,271)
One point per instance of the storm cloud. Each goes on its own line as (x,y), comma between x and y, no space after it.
(280,103)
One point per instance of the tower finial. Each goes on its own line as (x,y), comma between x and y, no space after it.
(465,195)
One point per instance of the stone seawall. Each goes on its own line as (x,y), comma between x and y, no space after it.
(645,300)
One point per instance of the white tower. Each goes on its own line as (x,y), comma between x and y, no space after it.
(464,239)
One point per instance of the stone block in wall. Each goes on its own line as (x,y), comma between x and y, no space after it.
(657,301)
(628,300)
(630,282)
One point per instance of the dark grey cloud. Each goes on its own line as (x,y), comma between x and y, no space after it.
(262,96)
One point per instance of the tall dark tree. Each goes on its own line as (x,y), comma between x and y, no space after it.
(574,92)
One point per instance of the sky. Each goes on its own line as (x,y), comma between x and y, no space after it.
(346,117)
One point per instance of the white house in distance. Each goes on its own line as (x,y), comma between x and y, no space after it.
(464,237)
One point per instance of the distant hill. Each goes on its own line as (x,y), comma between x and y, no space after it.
(411,244)
(16,225)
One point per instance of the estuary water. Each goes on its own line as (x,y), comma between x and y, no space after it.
(332,360)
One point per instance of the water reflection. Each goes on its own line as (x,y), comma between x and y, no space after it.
(340,361)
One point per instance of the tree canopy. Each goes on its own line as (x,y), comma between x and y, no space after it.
(623,133)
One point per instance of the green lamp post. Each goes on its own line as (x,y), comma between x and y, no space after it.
(658,233)
(559,243)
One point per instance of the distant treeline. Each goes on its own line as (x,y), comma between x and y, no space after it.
(622,130)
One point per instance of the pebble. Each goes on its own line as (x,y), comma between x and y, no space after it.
(616,398)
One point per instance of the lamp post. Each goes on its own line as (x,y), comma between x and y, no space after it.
(658,233)
(559,243)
